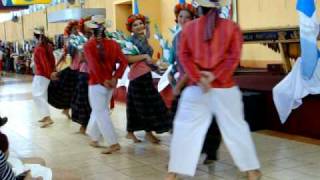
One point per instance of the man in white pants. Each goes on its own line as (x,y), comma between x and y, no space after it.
(102,55)
(44,71)
(210,50)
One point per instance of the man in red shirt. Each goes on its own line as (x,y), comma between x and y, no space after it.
(102,55)
(210,50)
(44,71)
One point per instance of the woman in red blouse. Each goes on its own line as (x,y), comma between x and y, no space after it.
(44,71)
(102,56)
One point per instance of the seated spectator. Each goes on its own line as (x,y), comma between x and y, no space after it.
(25,166)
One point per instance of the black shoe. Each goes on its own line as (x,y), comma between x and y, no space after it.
(3,121)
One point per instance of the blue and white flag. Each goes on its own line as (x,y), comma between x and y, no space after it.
(309,30)
(136,7)
(304,78)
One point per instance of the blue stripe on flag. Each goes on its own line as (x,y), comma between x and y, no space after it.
(135,7)
(307,7)
(309,55)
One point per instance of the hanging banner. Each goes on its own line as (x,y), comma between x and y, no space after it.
(24,2)
(4,9)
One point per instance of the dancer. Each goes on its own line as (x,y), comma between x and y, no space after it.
(145,107)
(184,13)
(80,106)
(210,50)
(44,71)
(102,55)
(61,91)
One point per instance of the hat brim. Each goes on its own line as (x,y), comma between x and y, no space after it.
(205,3)
(91,25)
(38,32)
(94,24)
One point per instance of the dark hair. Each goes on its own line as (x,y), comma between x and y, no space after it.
(99,32)
(44,41)
(4,143)
(36,35)
(205,10)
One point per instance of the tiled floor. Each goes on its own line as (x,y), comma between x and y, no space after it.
(62,147)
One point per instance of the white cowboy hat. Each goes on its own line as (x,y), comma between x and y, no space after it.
(38,30)
(96,21)
(210,3)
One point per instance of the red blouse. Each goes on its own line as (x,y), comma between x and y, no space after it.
(44,60)
(105,69)
(221,55)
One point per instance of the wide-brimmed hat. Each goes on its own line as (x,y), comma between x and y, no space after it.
(38,30)
(210,3)
(96,21)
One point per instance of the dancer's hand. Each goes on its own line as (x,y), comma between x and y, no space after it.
(176,91)
(208,75)
(179,86)
(205,80)
(204,84)
(148,59)
(54,76)
(114,82)
(111,83)
(170,78)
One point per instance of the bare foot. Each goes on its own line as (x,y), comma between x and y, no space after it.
(82,130)
(112,149)
(171,176)
(254,175)
(47,122)
(94,144)
(151,138)
(66,113)
(130,135)
(43,119)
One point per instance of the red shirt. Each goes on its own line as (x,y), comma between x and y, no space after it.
(44,60)
(101,70)
(220,55)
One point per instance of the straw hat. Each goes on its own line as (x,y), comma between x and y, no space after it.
(210,3)
(38,30)
(96,22)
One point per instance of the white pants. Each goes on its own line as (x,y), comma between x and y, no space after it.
(192,121)
(40,95)
(100,121)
